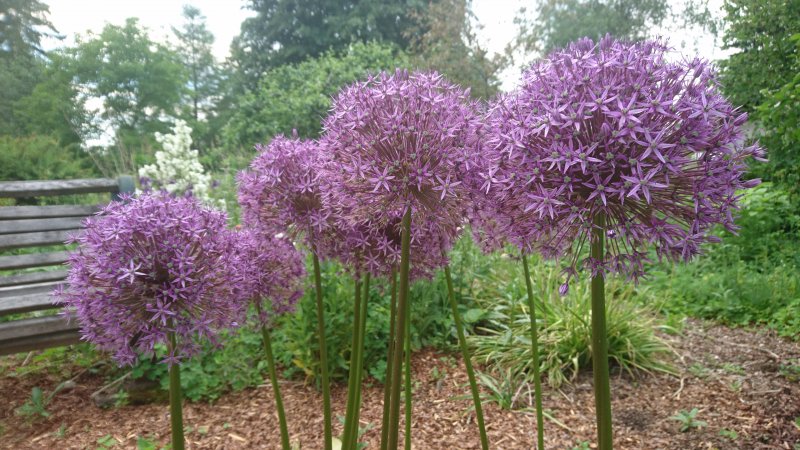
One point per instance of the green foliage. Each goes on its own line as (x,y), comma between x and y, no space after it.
(295,336)
(506,389)
(688,420)
(750,278)
(559,22)
(565,323)
(36,406)
(298,96)
(108,64)
(290,31)
(194,51)
(23,24)
(730,434)
(106,442)
(235,366)
(42,158)
(445,40)
(123,56)
(18,77)
(760,32)
(52,106)
(779,128)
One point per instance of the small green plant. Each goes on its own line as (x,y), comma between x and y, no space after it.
(688,420)
(565,330)
(106,442)
(148,443)
(61,432)
(36,405)
(438,375)
(361,431)
(790,371)
(583,445)
(730,434)
(736,385)
(505,390)
(734,369)
(698,370)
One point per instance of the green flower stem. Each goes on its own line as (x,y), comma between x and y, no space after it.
(602,388)
(273,378)
(407,377)
(351,379)
(175,399)
(462,342)
(360,372)
(394,410)
(537,379)
(387,382)
(323,355)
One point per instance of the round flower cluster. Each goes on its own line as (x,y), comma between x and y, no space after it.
(363,247)
(615,130)
(150,265)
(281,193)
(177,169)
(399,142)
(273,273)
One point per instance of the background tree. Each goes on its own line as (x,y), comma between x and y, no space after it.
(194,50)
(297,96)
(760,32)
(290,31)
(23,23)
(139,81)
(53,107)
(444,39)
(555,23)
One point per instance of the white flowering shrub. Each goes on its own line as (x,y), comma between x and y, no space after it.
(177,168)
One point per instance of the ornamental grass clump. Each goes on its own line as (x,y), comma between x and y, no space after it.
(282,193)
(273,278)
(612,143)
(400,146)
(154,270)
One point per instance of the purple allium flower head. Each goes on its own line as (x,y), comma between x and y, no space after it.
(149,265)
(364,248)
(400,141)
(616,128)
(274,272)
(282,193)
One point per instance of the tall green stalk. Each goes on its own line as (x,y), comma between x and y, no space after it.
(387,382)
(394,410)
(537,382)
(352,379)
(323,354)
(602,388)
(175,399)
(407,377)
(273,378)
(360,373)
(462,342)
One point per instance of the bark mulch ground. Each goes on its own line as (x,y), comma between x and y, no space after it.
(743,381)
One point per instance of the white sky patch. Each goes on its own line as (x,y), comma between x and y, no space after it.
(72,17)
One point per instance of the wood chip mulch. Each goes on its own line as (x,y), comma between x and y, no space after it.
(742,381)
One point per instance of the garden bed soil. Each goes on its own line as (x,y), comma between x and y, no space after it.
(744,381)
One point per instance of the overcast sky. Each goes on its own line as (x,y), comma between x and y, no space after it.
(223,18)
